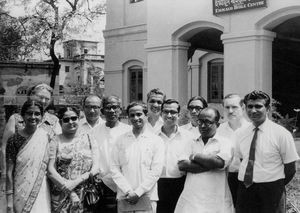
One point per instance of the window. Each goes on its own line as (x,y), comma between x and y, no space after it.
(136,83)
(67,68)
(135,1)
(215,81)
(69,55)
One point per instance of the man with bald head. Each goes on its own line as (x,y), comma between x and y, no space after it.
(205,161)
(91,107)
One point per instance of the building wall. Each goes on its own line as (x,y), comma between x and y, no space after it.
(247,41)
(17,76)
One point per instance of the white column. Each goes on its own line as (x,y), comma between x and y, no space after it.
(248,61)
(168,69)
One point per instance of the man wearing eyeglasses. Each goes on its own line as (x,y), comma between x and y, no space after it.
(195,105)
(233,112)
(268,156)
(91,108)
(171,182)
(205,161)
(106,135)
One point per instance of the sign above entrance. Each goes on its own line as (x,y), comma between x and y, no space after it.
(229,6)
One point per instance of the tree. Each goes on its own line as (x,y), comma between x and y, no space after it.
(51,20)
(11,35)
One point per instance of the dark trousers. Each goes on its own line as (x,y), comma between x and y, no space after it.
(108,204)
(259,197)
(233,183)
(169,190)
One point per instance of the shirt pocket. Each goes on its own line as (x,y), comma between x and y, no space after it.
(270,158)
(147,156)
(123,157)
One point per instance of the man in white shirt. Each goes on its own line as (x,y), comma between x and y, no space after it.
(268,156)
(206,188)
(106,135)
(137,161)
(91,107)
(155,99)
(171,182)
(233,112)
(195,105)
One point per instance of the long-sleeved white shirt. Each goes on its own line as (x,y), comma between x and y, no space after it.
(106,138)
(137,164)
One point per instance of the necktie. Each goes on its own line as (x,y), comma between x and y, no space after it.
(248,178)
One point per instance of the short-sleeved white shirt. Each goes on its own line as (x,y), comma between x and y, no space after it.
(193,129)
(226,131)
(207,191)
(275,147)
(174,148)
(137,164)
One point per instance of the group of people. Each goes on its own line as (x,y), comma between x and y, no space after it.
(149,164)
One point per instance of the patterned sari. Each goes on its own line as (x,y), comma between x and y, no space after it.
(72,159)
(29,173)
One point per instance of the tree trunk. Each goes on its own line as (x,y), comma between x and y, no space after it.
(55,60)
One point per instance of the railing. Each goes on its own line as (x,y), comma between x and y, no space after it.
(89,57)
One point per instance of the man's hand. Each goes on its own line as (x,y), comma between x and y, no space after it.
(132,197)
(69,185)
(74,199)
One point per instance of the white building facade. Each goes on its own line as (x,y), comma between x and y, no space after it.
(185,49)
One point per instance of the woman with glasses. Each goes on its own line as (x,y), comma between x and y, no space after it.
(73,159)
(27,159)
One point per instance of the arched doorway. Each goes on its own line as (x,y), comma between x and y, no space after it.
(286,67)
(203,38)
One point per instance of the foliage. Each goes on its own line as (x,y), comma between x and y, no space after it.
(50,21)
(10,38)
(285,121)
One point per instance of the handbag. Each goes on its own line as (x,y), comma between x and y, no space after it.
(92,192)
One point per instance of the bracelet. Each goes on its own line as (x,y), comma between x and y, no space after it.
(9,192)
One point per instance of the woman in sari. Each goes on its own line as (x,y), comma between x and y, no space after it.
(41,93)
(27,159)
(73,159)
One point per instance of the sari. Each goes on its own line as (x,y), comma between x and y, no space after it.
(29,174)
(72,159)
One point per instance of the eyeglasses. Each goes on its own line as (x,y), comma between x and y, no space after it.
(30,113)
(256,106)
(110,107)
(89,107)
(205,122)
(197,108)
(172,112)
(67,119)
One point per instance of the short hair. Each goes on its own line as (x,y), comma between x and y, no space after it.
(156,91)
(171,101)
(234,95)
(200,98)
(257,94)
(31,103)
(34,89)
(88,96)
(107,99)
(137,103)
(63,110)
(217,113)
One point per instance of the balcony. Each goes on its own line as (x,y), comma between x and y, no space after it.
(89,57)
